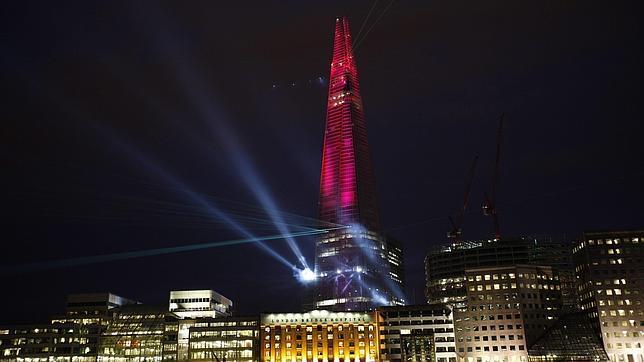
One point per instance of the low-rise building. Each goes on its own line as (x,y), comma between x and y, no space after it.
(319,336)
(231,339)
(417,333)
(572,338)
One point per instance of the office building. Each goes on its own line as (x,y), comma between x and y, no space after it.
(609,268)
(353,264)
(135,334)
(417,333)
(508,309)
(231,339)
(445,267)
(199,304)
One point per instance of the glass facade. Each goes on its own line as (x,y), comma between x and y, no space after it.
(135,334)
(572,338)
(353,265)
(232,339)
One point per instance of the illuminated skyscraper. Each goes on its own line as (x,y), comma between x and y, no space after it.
(353,266)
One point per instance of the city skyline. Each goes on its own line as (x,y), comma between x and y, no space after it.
(115,117)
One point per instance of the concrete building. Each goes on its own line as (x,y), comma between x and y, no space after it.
(417,333)
(609,268)
(445,267)
(508,308)
(319,336)
(199,304)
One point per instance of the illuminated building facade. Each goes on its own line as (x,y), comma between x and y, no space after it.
(445,267)
(190,307)
(417,333)
(105,327)
(320,336)
(418,346)
(199,304)
(351,265)
(73,336)
(54,342)
(571,338)
(610,273)
(234,339)
(508,309)
(135,334)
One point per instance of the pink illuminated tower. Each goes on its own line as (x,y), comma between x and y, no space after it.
(353,264)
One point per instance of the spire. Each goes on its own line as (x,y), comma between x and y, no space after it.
(347,185)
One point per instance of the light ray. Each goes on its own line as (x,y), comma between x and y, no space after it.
(52,264)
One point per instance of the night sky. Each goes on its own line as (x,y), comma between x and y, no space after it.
(118,116)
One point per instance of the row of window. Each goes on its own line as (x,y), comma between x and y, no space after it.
(618,302)
(278,345)
(319,328)
(190,300)
(504,286)
(504,276)
(309,337)
(624,334)
(503,348)
(493,338)
(631,323)
(493,327)
(417,322)
(620,313)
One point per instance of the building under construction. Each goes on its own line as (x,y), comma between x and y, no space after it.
(445,267)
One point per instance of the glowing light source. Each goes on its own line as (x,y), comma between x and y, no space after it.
(306,275)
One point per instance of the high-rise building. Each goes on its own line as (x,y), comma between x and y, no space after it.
(445,267)
(508,308)
(352,264)
(609,268)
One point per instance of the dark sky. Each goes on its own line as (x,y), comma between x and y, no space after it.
(109,110)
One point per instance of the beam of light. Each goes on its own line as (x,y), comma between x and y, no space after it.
(359,235)
(75,111)
(52,264)
(216,121)
(305,276)
(347,284)
(192,195)
(203,100)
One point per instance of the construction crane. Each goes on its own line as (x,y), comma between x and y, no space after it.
(455,234)
(489,204)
